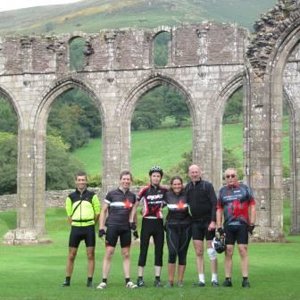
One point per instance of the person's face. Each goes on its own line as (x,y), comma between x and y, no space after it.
(194,173)
(125,181)
(155,178)
(177,186)
(231,177)
(81,182)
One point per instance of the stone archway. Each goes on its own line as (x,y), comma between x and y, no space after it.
(277,33)
(127,108)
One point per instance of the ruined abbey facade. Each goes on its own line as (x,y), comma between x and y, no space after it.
(207,63)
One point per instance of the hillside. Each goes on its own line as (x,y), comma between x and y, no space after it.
(93,15)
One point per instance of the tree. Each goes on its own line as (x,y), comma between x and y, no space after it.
(75,118)
(8,117)
(8,163)
(181,168)
(157,105)
(234,108)
(60,168)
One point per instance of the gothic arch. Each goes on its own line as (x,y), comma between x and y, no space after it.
(224,93)
(40,125)
(277,34)
(127,107)
(14,104)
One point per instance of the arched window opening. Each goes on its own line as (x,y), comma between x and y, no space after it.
(77,46)
(73,140)
(233,133)
(161,49)
(161,133)
(8,147)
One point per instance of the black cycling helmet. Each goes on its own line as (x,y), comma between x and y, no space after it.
(219,244)
(157,169)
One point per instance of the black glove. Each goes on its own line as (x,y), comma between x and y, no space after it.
(132,226)
(251,228)
(221,231)
(135,234)
(101,233)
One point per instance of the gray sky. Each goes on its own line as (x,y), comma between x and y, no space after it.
(17,4)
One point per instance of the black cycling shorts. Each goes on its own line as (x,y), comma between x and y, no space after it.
(236,233)
(200,231)
(86,233)
(113,232)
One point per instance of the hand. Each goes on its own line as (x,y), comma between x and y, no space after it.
(221,231)
(135,234)
(250,228)
(101,233)
(132,226)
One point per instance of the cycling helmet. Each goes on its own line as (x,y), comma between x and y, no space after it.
(157,169)
(219,244)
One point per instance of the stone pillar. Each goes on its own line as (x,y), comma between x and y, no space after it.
(111,137)
(264,159)
(30,226)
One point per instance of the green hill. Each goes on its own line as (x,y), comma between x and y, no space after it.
(172,144)
(93,15)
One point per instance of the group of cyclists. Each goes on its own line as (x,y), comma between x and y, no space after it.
(194,212)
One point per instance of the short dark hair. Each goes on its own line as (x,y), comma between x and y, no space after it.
(126,172)
(80,173)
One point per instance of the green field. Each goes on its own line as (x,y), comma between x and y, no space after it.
(36,272)
(165,147)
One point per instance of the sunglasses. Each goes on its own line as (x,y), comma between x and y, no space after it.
(230,176)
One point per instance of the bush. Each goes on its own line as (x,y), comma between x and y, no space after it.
(95,180)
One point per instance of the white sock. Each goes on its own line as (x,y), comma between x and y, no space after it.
(214,277)
(201,278)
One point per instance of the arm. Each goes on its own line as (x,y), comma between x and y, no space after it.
(213,199)
(96,206)
(252,212)
(103,216)
(132,216)
(68,206)
(219,215)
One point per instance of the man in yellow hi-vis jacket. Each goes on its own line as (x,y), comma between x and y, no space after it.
(83,209)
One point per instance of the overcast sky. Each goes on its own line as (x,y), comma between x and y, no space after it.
(17,4)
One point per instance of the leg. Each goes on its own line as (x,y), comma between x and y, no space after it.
(212,254)
(109,251)
(198,246)
(228,260)
(173,245)
(180,274)
(126,261)
(243,251)
(70,261)
(90,252)
(171,273)
(144,245)
(184,241)
(158,238)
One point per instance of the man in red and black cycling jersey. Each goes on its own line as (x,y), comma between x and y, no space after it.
(237,203)
(152,199)
(117,212)
(83,208)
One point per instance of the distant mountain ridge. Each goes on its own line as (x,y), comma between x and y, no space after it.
(94,15)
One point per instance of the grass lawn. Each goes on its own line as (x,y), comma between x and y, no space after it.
(36,272)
